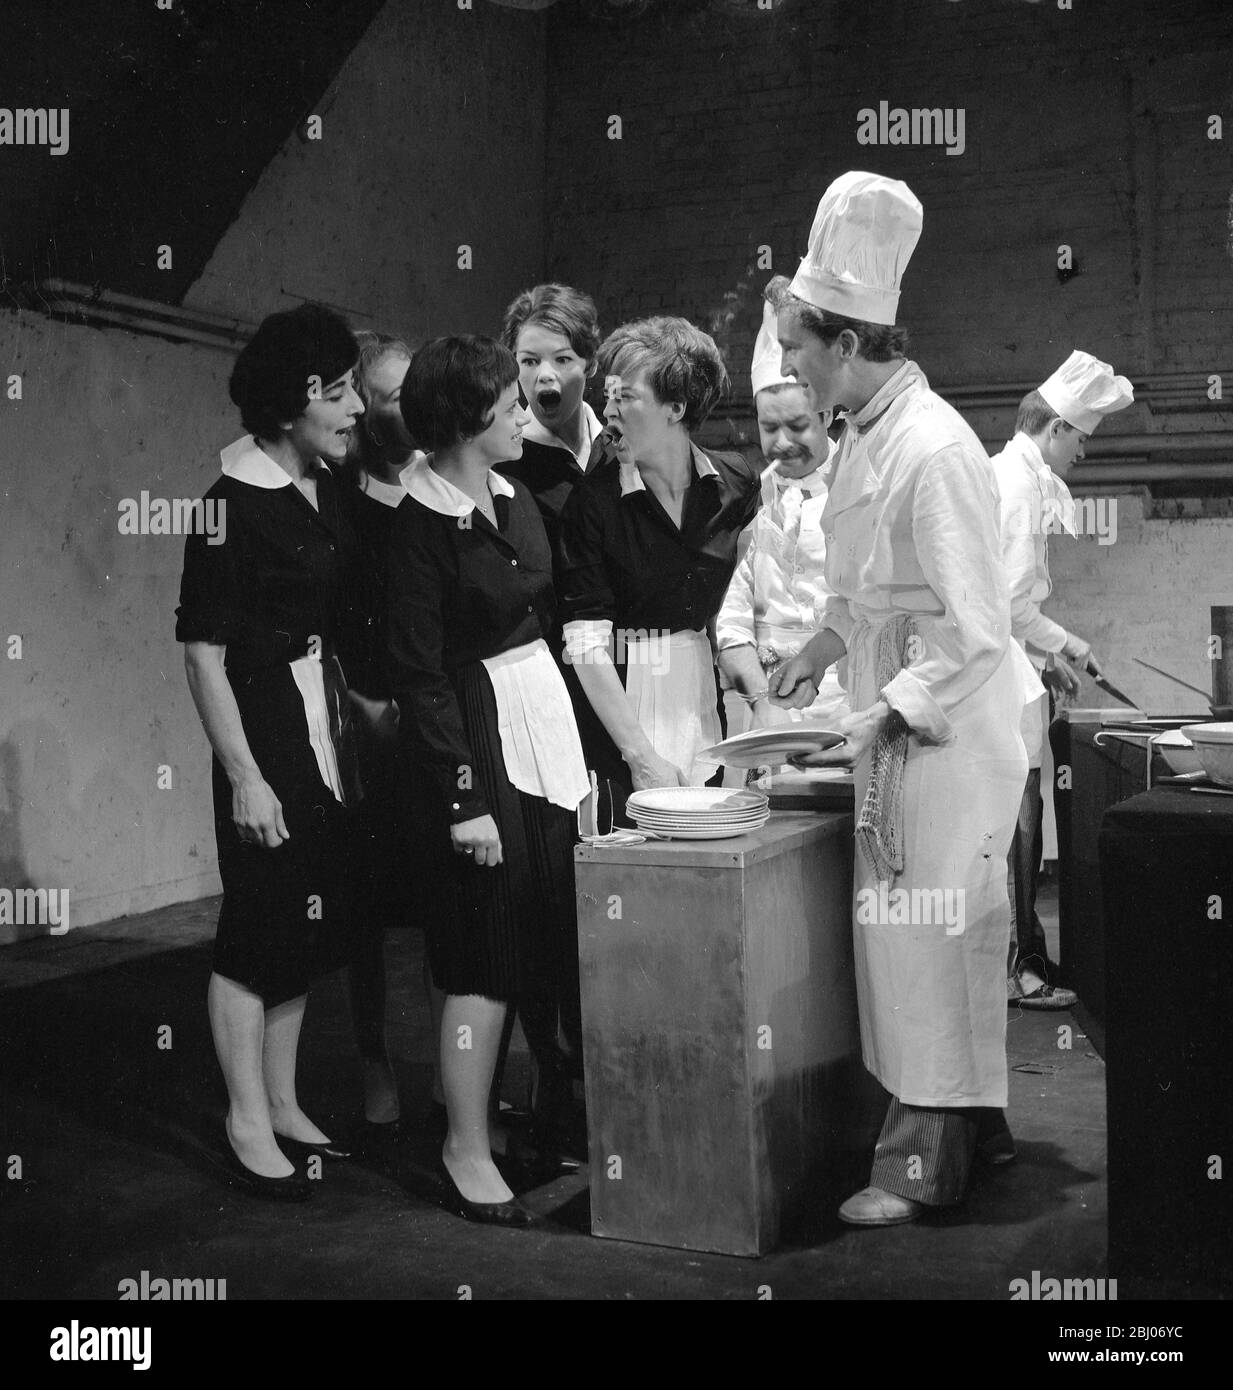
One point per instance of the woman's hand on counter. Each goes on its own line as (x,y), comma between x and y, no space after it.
(859,730)
(479,840)
(258,813)
(653,771)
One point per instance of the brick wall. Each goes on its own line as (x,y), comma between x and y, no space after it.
(1085,126)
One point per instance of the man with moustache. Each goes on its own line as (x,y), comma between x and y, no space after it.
(553,332)
(776,597)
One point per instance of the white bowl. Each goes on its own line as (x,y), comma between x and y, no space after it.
(1178,752)
(1214,745)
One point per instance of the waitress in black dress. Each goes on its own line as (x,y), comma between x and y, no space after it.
(262,616)
(649,540)
(493,770)
(387,881)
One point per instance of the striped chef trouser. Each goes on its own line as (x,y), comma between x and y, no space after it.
(925,1152)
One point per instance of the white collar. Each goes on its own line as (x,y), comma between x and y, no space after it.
(631,478)
(248,462)
(381,491)
(541,434)
(1029,451)
(438,493)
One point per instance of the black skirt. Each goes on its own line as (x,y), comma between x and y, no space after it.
(286,917)
(388,878)
(491,931)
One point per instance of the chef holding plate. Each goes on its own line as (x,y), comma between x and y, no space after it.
(922,611)
(778,593)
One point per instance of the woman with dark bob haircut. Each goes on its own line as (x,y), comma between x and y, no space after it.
(262,617)
(648,547)
(492,766)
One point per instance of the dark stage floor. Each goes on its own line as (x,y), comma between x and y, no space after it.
(117,1138)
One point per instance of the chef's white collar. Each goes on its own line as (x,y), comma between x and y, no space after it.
(884,396)
(438,493)
(541,434)
(1030,450)
(248,462)
(631,479)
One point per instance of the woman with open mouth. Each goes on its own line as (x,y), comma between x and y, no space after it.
(648,548)
(262,617)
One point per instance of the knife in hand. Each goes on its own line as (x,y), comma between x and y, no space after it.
(1094,671)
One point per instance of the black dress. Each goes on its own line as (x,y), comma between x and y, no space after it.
(460,590)
(623,559)
(277,590)
(550,473)
(388,879)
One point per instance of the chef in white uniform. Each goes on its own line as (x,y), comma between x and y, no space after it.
(1052,426)
(937,689)
(778,593)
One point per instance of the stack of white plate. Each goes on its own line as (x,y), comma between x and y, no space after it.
(698,813)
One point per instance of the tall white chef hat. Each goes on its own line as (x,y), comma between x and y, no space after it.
(767,355)
(1084,390)
(863,235)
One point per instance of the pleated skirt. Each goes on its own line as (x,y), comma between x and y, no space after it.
(497,931)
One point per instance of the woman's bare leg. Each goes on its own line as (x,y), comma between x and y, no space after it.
(237,1021)
(282,1039)
(471,1029)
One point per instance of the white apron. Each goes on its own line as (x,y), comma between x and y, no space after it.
(539,739)
(670,682)
(933,1001)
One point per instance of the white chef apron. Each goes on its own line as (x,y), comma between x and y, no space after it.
(933,1003)
(539,738)
(1035,716)
(670,682)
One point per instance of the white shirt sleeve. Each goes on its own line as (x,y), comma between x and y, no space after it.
(1019,522)
(734,626)
(955,531)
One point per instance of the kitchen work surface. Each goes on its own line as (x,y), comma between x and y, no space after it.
(720,1034)
(1166,860)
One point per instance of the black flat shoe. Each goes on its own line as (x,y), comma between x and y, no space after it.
(511,1213)
(525,1157)
(331,1149)
(295,1187)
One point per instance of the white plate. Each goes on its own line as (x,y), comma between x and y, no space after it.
(707,834)
(1209,733)
(759,747)
(696,799)
(667,827)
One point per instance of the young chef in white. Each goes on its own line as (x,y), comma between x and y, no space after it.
(775,600)
(937,687)
(1052,427)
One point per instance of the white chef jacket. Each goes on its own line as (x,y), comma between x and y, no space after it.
(911,527)
(1034,501)
(778,593)
(1031,495)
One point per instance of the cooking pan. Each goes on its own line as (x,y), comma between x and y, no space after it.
(1218,711)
